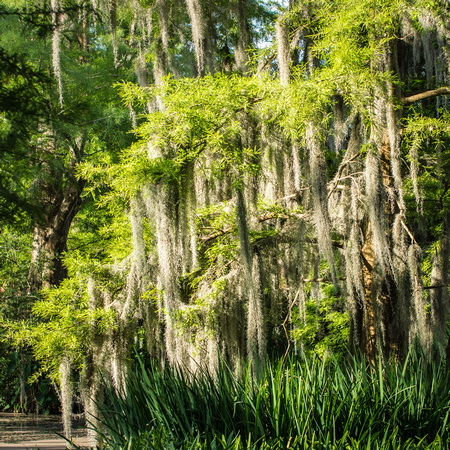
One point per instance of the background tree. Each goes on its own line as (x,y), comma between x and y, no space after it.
(46,134)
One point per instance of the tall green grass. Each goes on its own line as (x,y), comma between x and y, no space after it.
(298,403)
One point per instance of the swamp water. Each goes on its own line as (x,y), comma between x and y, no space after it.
(28,427)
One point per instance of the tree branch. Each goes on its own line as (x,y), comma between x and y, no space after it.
(322,280)
(262,218)
(409,232)
(425,94)
(440,286)
(284,323)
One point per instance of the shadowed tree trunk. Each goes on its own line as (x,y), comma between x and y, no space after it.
(60,195)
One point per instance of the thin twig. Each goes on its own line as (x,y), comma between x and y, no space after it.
(340,169)
(409,232)
(262,218)
(297,194)
(286,319)
(321,280)
(438,286)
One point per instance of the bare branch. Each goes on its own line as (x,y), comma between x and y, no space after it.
(339,172)
(440,286)
(262,218)
(284,323)
(425,94)
(296,195)
(409,232)
(321,280)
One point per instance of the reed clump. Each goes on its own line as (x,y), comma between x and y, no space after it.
(297,403)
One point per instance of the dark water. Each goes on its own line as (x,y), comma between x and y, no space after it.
(28,427)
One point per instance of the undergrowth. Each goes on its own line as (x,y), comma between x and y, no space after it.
(297,403)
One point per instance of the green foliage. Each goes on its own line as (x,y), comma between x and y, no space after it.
(65,326)
(21,107)
(200,115)
(40,396)
(14,267)
(15,304)
(306,403)
(324,329)
(41,145)
(33,122)
(100,235)
(18,366)
(430,137)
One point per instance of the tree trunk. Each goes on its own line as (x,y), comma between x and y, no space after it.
(50,237)
(378,322)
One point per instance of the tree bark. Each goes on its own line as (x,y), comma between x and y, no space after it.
(50,238)
(60,197)
(376,322)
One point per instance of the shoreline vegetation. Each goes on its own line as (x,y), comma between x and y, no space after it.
(299,403)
